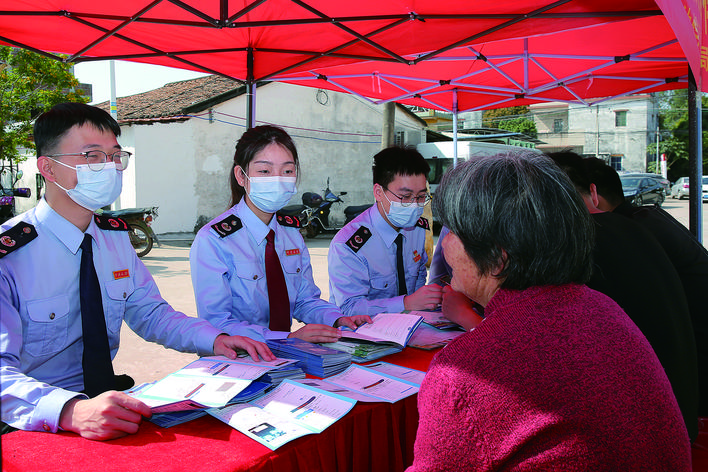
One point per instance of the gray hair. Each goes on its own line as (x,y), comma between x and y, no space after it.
(520,218)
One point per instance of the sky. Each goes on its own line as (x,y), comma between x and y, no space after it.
(131,77)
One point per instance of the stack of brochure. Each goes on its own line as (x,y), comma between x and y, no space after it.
(204,383)
(315,359)
(290,371)
(363,351)
(173,418)
(389,333)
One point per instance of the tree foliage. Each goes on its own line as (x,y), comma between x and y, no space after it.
(511,119)
(29,85)
(673,130)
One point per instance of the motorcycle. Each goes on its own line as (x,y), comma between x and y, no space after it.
(141,234)
(314,212)
(9,192)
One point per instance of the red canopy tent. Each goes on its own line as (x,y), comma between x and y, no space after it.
(454,55)
(431,41)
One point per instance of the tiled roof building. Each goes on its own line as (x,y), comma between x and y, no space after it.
(175,100)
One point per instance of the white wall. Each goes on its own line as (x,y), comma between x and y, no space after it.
(184,167)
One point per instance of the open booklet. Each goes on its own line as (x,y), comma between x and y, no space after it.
(387,328)
(436,319)
(389,333)
(205,383)
(378,382)
(289,411)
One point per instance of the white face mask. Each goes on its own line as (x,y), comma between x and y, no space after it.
(270,194)
(403,216)
(94,189)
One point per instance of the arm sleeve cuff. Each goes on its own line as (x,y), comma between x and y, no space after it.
(46,414)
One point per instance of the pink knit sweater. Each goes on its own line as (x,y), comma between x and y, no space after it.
(555,378)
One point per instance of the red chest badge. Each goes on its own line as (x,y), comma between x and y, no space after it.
(120,274)
(292,252)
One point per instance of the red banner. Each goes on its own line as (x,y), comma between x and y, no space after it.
(688,20)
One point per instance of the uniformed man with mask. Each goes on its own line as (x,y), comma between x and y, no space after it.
(377,262)
(68,279)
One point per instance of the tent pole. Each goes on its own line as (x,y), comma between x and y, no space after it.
(250,92)
(454,127)
(114,103)
(695,159)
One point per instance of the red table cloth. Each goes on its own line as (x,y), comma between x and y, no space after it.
(371,437)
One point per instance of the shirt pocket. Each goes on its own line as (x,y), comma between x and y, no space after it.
(248,273)
(117,292)
(292,265)
(48,324)
(383,285)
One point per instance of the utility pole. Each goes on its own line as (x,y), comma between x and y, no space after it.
(389,125)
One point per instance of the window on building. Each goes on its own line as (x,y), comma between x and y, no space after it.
(621,118)
(558,125)
(616,161)
(399,138)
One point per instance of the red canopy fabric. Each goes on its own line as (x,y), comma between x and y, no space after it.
(474,47)
(583,65)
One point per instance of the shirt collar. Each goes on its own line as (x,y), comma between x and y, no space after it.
(252,223)
(385,230)
(61,228)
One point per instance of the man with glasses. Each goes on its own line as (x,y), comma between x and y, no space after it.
(377,262)
(68,279)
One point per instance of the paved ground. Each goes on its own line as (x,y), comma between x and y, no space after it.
(169,264)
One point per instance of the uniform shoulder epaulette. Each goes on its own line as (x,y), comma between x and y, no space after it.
(16,237)
(228,225)
(359,238)
(423,223)
(111,223)
(287,220)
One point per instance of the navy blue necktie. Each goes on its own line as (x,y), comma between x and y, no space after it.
(402,289)
(98,368)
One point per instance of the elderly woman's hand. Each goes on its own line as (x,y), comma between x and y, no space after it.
(459,309)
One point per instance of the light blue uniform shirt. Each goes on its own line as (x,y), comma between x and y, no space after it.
(365,282)
(228,275)
(439,267)
(40,315)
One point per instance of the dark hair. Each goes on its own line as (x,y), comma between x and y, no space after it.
(572,164)
(606,179)
(53,124)
(253,141)
(398,160)
(518,214)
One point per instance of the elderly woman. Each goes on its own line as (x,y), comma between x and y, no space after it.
(556,376)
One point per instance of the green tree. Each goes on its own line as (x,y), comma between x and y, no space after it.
(29,85)
(510,119)
(673,126)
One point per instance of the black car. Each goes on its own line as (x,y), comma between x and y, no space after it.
(641,190)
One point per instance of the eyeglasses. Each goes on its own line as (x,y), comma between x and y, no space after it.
(96,160)
(408,200)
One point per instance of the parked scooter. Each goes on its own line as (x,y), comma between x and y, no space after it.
(314,212)
(139,219)
(8,192)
